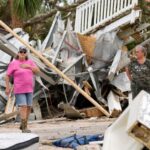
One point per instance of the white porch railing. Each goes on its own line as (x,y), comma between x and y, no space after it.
(94,13)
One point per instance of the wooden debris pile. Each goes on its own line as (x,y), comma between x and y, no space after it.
(83,75)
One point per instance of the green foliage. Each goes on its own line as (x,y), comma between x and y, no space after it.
(131,45)
(3,4)
(4,13)
(39,31)
(26,8)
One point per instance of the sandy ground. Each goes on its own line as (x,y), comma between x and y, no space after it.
(53,129)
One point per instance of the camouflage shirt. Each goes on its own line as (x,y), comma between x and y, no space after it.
(140,73)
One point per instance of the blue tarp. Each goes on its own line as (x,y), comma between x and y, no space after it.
(76,140)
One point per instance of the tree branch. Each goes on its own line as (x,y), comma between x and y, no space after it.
(40,18)
(70,7)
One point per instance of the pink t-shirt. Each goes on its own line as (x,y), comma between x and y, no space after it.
(23,78)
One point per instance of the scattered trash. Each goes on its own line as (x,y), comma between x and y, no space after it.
(75,140)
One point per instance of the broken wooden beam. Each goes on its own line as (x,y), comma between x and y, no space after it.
(8,116)
(37,110)
(91,112)
(114,104)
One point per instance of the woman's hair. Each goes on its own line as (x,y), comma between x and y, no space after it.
(143,49)
(21,49)
(17,57)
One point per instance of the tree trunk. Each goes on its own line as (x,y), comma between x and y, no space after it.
(15,21)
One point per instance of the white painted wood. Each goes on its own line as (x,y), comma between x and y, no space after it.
(89,147)
(116,136)
(105,6)
(90,16)
(96,142)
(10,105)
(86,17)
(122,82)
(37,110)
(130,98)
(73,63)
(118,5)
(76,20)
(90,70)
(97,12)
(140,110)
(111,9)
(113,26)
(114,65)
(102,12)
(113,103)
(82,21)
(59,46)
(43,46)
(115,9)
(108,10)
(139,119)
(129,2)
(122,6)
(10,102)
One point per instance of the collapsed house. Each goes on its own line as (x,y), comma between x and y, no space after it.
(90,69)
(93,57)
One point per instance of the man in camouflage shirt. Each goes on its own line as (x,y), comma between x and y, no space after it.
(139,72)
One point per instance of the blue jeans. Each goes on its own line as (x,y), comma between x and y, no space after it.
(24,99)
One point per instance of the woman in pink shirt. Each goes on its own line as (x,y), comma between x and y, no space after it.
(22,70)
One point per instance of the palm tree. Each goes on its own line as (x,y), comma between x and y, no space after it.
(19,10)
(26,9)
(33,15)
(4,15)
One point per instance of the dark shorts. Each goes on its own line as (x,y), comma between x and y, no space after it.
(24,99)
(136,89)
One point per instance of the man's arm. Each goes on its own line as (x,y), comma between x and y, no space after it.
(128,72)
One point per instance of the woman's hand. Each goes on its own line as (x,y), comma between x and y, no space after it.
(26,66)
(7,91)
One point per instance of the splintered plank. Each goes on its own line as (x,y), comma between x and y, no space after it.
(37,110)
(141,133)
(10,105)
(139,119)
(91,112)
(8,116)
(114,104)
